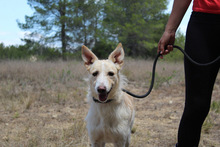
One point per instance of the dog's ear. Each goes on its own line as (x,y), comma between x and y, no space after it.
(117,56)
(88,56)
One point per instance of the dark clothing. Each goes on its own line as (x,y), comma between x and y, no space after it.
(202,45)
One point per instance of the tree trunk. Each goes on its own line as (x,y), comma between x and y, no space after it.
(63,39)
(62,11)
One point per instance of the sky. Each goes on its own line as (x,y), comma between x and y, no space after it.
(12,10)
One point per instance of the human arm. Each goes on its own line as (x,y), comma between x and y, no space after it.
(166,42)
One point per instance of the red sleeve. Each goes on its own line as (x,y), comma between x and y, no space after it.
(207,6)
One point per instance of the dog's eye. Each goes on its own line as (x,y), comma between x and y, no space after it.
(110,73)
(95,73)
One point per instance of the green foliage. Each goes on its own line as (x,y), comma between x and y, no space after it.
(43,52)
(163,79)
(209,122)
(69,22)
(102,49)
(98,24)
(51,20)
(13,52)
(28,50)
(138,24)
(207,125)
(87,19)
(215,106)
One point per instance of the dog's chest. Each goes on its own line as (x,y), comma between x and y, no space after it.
(112,118)
(113,124)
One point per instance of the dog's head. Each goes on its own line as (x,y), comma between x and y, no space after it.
(104,74)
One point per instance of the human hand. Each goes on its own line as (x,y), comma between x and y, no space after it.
(165,45)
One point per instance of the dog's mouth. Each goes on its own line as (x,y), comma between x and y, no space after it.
(103,97)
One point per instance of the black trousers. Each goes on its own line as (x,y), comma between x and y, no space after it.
(203,45)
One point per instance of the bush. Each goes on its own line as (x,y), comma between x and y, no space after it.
(103,49)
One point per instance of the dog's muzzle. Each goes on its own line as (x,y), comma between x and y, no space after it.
(103,94)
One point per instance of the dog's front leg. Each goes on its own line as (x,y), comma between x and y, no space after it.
(127,141)
(124,143)
(120,144)
(98,144)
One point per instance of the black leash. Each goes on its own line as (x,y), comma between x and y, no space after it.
(154,68)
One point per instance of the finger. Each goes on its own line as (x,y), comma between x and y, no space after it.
(166,52)
(160,51)
(160,48)
(170,47)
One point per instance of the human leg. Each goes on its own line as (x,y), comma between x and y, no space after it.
(200,45)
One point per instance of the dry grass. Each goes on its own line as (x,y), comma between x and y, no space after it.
(43,104)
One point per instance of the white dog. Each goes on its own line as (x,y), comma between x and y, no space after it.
(111,114)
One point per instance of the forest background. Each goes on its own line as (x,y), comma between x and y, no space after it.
(58,29)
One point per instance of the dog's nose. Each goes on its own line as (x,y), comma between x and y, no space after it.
(101,89)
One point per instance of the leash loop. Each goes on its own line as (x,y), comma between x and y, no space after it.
(154,68)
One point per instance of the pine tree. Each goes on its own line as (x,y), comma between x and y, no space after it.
(87,21)
(138,24)
(51,20)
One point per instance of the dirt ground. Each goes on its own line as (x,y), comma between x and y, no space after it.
(44,104)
